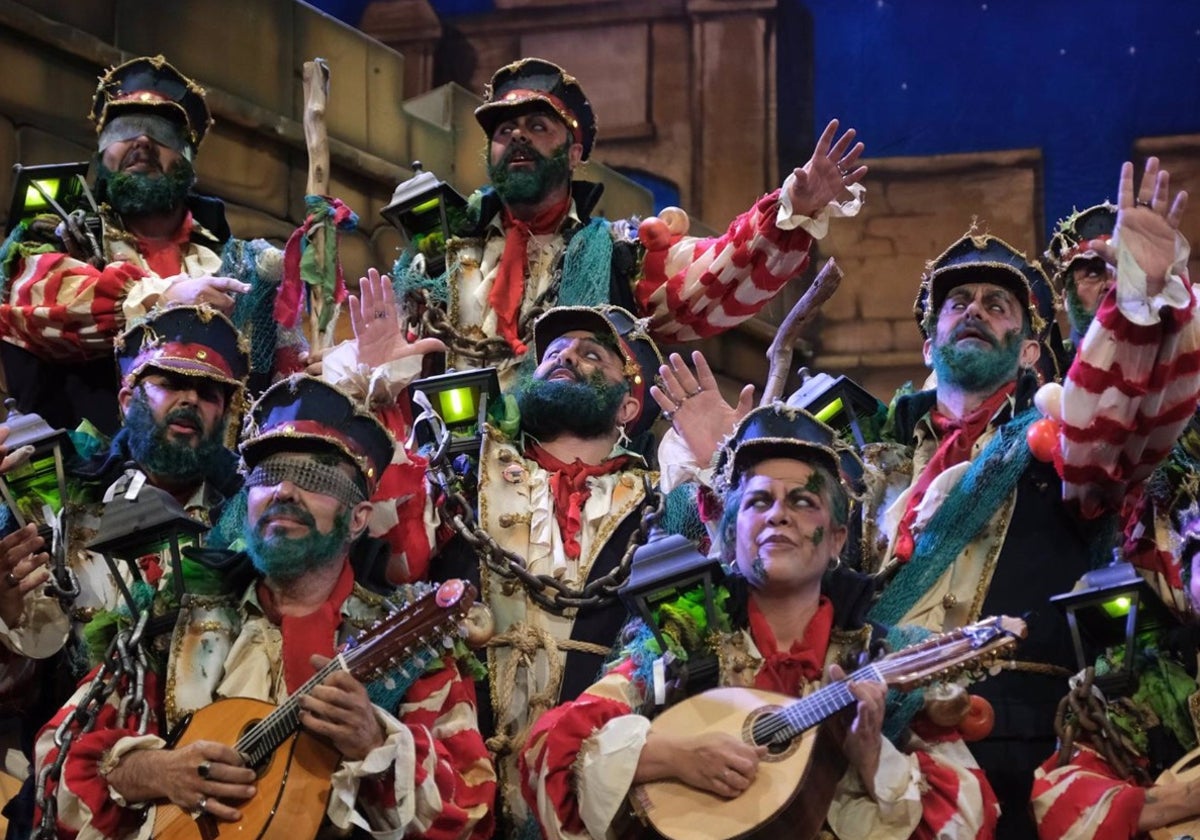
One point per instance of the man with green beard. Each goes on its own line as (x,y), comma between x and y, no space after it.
(565,495)
(408,759)
(529,241)
(69,293)
(183,372)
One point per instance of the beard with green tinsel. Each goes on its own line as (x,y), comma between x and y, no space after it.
(587,408)
(975,368)
(281,557)
(158,454)
(529,186)
(1077,314)
(142,194)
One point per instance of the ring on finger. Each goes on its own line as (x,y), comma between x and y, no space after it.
(203,806)
(689,394)
(669,416)
(1141,202)
(204,770)
(12,581)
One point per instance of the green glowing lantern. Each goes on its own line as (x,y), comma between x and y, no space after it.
(840,403)
(58,188)
(421,208)
(460,399)
(1111,607)
(35,489)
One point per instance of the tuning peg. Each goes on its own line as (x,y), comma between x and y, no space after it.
(479,625)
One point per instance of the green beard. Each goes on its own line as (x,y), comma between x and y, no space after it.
(139,194)
(159,455)
(587,409)
(287,558)
(531,186)
(975,368)
(1077,314)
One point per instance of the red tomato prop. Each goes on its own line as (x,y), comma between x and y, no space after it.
(654,234)
(980,719)
(1043,440)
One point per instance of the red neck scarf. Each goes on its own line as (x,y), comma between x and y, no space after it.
(509,286)
(165,256)
(957,438)
(786,671)
(569,486)
(304,635)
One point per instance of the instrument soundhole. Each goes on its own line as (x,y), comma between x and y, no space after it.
(776,751)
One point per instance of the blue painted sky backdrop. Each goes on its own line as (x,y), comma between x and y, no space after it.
(1079,80)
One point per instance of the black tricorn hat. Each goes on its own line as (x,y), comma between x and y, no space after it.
(189,340)
(781,431)
(983,258)
(641,354)
(534,81)
(151,84)
(1072,235)
(304,414)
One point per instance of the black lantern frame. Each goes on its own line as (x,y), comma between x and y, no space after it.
(57,188)
(420,209)
(840,403)
(461,400)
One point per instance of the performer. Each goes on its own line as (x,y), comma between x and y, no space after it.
(65,299)
(415,768)
(783,526)
(528,241)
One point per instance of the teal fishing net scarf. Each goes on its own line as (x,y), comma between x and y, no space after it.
(969,506)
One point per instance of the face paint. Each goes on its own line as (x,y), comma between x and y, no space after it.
(818,536)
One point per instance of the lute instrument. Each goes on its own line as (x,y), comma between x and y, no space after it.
(293,766)
(775,804)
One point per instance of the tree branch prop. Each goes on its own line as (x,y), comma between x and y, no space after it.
(779,354)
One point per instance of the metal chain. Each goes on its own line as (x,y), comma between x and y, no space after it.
(435,323)
(1083,712)
(547,591)
(124,662)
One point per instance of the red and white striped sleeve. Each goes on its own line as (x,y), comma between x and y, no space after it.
(1132,387)
(701,287)
(86,805)
(433,777)
(578,763)
(64,309)
(1084,800)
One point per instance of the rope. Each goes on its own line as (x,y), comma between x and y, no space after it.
(524,641)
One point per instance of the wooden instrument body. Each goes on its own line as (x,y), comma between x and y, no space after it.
(293,784)
(771,806)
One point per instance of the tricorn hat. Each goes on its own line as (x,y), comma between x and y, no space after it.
(641,354)
(533,81)
(781,431)
(151,84)
(983,258)
(304,414)
(188,340)
(1072,235)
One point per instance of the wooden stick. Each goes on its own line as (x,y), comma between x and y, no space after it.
(316,139)
(779,354)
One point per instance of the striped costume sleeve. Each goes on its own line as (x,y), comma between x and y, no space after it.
(63,309)
(701,287)
(1132,387)
(441,783)
(1085,800)
(578,763)
(87,807)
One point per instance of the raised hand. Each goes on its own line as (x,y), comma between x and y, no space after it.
(375,319)
(832,167)
(22,570)
(1147,221)
(694,405)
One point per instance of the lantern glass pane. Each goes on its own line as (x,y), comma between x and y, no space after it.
(829,412)
(457,405)
(34,202)
(34,485)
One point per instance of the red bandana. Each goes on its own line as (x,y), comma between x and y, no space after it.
(509,286)
(304,635)
(957,439)
(569,486)
(787,671)
(165,256)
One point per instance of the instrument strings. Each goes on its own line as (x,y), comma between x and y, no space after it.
(785,724)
